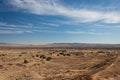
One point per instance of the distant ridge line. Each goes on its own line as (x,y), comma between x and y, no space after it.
(62,44)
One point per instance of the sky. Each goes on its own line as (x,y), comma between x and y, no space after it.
(59,21)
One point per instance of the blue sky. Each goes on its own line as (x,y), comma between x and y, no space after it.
(59,21)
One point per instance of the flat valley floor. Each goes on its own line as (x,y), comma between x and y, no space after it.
(59,64)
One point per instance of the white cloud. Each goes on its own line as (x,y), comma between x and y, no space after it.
(36,6)
(6,28)
(88,32)
(10,32)
(5,24)
(53,7)
(50,24)
(112,17)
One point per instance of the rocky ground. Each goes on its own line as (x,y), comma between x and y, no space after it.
(59,64)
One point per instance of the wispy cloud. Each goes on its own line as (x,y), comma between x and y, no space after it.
(6,24)
(88,32)
(10,32)
(53,7)
(50,24)
(107,26)
(6,28)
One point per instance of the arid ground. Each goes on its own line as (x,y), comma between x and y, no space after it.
(59,64)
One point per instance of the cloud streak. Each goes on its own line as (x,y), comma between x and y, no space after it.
(50,24)
(6,28)
(83,32)
(53,7)
(10,32)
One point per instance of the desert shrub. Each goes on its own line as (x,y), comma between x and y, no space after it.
(37,55)
(20,55)
(57,54)
(33,56)
(50,53)
(68,55)
(64,55)
(38,52)
(101,51)
(77,54)
(42,56)
(2,54)
(61,53)
(25,61)
(48,58)
(1,66)
(23,52)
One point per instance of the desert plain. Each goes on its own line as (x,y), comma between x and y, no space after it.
(22,63)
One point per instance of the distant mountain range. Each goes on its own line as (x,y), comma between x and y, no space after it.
(82,44)
(3,43)
(11,44)
(64,45)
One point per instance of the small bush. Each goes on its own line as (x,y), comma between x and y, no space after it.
(101,51)
(20,55)
(37,55)
(57,54)
(41,56)
(44,57)
(48,58)
(25,61)
(33,56)
(23,52)
(68,55)
(1,66)
(61,53)
(3,54)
